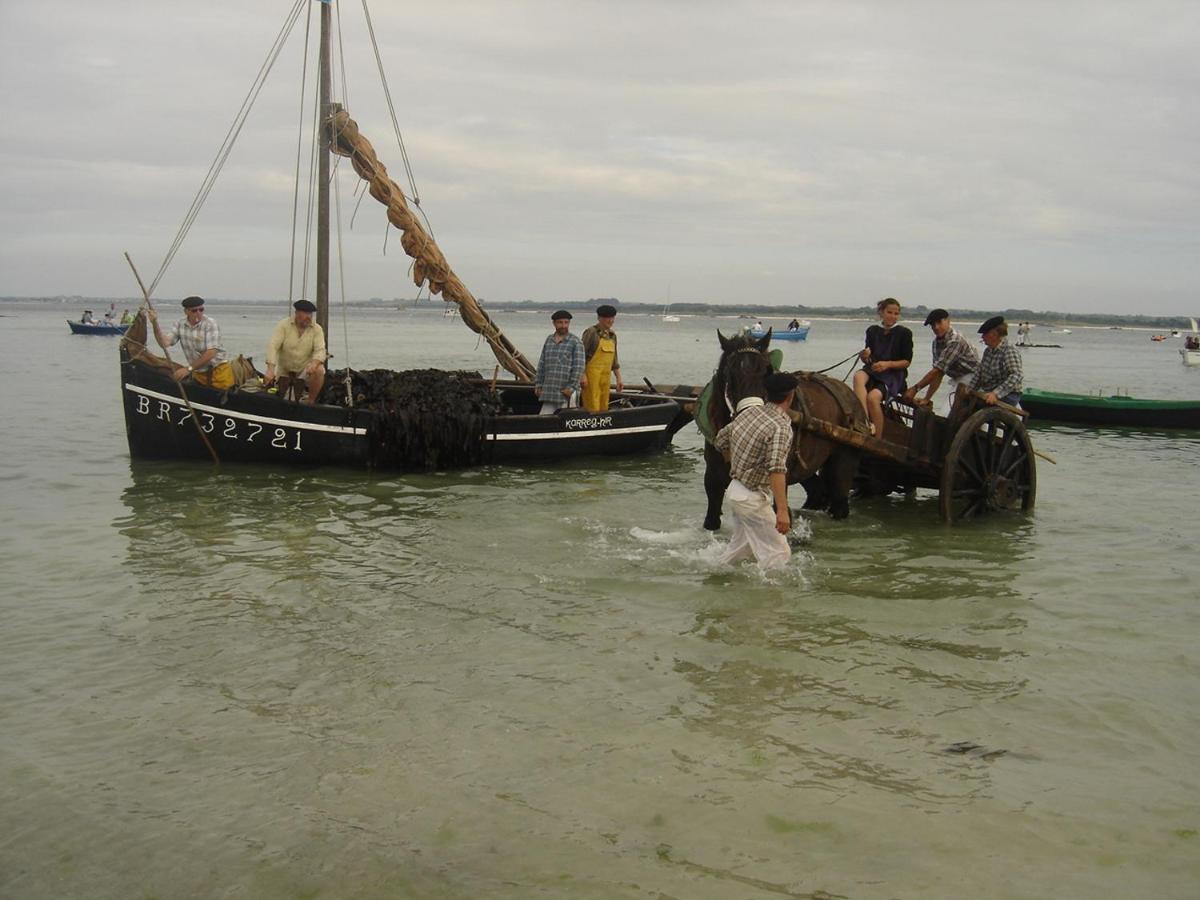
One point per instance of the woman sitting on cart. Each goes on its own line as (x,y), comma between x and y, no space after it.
(886,358)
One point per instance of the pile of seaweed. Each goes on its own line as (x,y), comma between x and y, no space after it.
(426,418)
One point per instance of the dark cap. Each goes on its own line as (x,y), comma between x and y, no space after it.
(560,314)
(605,311)
(993,322)
(936,315)
(304,306)
(778,384)
(192,302)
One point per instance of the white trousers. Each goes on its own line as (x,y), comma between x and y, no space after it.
(754,533)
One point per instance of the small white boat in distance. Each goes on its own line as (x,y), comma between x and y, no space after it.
(666,317)
(1190,351)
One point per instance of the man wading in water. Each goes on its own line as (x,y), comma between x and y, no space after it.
(757,442)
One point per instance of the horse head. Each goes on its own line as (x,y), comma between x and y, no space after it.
(743,366)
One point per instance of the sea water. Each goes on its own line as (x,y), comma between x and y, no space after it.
(536,681)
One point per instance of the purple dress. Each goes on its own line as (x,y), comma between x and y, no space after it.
(885,346)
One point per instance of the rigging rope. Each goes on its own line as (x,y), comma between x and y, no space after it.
(231,137)
(299,156)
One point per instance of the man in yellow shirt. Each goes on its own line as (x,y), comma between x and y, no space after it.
(296,353)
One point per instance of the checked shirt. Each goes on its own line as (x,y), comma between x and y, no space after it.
(758,439)
(194,341)
(1000,371)
(954,355)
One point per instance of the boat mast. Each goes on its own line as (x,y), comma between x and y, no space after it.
(324,89)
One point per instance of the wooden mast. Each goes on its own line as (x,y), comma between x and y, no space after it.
(324,79)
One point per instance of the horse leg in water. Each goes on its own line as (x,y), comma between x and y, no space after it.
(830,487)
(716,480)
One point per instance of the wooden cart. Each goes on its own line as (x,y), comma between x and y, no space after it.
(980,459)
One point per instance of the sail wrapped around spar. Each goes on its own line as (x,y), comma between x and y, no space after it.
(429,265)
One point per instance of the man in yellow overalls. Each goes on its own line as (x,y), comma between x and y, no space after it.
(600,345)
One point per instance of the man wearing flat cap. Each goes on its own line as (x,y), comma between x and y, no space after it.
(560,367)
(757,443)
(953,358)
(200,339)
(600,347)
(296,354)
(1000,373)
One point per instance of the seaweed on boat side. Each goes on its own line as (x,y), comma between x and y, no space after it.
(425,418)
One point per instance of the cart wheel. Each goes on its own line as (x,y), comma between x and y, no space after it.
(989,466)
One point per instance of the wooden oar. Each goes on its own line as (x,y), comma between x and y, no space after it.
(178,384)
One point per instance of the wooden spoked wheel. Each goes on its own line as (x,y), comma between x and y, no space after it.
(990,466)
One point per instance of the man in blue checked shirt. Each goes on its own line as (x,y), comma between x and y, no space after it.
(1000,373)
(560,368)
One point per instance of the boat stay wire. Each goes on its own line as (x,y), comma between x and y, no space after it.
(231,137)
(299,155)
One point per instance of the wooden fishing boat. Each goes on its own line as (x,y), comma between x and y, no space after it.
(109,328)
(472,422)
(257,426)
(1134,412)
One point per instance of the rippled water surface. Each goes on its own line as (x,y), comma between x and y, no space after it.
(535,681)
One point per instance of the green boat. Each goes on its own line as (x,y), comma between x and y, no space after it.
(1130,412)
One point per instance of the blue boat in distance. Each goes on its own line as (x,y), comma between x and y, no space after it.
(96,327)
(784,334)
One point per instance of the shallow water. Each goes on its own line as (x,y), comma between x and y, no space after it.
(535,681)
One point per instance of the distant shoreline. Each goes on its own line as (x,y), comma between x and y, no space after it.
(786,313)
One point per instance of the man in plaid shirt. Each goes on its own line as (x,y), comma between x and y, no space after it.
(757,443)
(201,341)
(953,358)
(560,367)
(1000,372)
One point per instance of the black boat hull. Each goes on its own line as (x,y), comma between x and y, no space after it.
(261,428)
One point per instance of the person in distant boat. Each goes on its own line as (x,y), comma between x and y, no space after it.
(201,341)
(560,368)
(1000,374)
(126,318)
(794,325)
(88,318)
(758,326)
(954,359)
(296,354)
(1023,333)
(886,358)
(110,315)
(600,349)
(757,443)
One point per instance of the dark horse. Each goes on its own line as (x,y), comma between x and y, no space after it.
(824,468)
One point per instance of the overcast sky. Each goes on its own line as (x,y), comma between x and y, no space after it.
(961,154)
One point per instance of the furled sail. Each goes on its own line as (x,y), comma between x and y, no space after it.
(428,262)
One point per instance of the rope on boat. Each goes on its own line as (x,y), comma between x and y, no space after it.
(429,264)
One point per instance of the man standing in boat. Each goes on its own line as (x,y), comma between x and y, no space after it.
(600,347)
(560,367)
(953,358)
(1000,373)
(296,353)
(758,442)
(201,341)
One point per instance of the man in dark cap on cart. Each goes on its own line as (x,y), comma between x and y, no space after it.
(600,347)
(560,367)
(296,354)
(200,339)
(1000,374)
(954,359)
